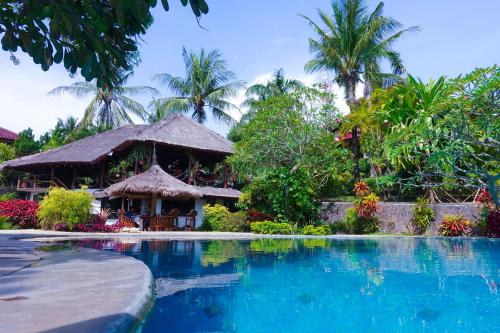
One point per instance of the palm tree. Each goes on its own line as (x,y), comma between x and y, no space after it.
(279,85)
(352,44)
(208,83)
(110,107)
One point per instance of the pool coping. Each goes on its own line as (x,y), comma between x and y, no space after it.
(48,235)
(73,279)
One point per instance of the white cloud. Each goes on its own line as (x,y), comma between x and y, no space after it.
(24,99)
(307,79)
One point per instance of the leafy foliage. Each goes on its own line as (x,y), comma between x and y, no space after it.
(288,153)
(422,217)
(234,222)
(454,225)
(272,228)
(316,230)
(61,207)
(5,224)
(21,213)
(26,143)
(109,107)
(353,42)
(100,38)
(208,83)
(213,216)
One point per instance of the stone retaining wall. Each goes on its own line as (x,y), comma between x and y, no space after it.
(395,216)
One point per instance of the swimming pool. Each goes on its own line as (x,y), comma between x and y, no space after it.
(320,285)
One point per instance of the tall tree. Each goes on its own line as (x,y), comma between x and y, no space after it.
(208,83)
(352,42)
(110,107)
(98,37)
(277,86)
(25,143)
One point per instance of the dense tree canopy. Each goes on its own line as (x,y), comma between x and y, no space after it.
(288,153)
(352,42)
(97,37)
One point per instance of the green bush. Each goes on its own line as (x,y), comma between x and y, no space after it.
(234,222)
(7,196)
(354,224)
(64,207)
(271,228)
(422,216)
(5,224)
(213,217)
(317,231)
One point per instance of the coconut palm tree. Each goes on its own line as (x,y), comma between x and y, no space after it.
(352,43)
(110,107)
(207,84)
(279,85)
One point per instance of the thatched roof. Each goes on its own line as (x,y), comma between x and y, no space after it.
(175,130)
(217,192)
(154,181)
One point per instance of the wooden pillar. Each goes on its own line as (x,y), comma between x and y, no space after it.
(52,170)
(101,180)
(73,180)
(153,205)
(225,176)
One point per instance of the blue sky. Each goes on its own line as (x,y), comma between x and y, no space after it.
(256,38)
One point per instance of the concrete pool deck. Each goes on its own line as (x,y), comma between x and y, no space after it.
(73,290)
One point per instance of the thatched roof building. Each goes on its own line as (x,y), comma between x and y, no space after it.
(154,181)
(174,131)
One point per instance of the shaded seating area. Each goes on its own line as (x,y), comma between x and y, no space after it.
(156,185)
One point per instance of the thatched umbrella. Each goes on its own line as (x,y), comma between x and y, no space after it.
(155,183)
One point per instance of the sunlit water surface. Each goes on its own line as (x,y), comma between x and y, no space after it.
(320,285)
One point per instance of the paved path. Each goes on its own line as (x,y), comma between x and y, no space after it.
(75,290)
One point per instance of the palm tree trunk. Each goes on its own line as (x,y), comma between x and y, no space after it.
(356,151)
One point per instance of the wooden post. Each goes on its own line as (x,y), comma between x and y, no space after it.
(73,181)
(153,205)
(52,170)
(225,176)
(34,181)
(101,180)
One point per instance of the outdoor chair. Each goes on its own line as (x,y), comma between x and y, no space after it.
(190,221)
(162,223)
(128,222)
(175,214)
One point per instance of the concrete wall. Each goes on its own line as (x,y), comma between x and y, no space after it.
(395,216)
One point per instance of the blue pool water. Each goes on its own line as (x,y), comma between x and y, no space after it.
(320,285)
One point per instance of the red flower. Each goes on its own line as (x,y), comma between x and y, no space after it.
(20,212)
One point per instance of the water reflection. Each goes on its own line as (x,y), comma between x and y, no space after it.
(391,284)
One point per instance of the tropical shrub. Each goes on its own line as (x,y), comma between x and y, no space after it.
(21,213)
(361,218)
(101,217)
(423,215)
(7,196)
(489,221)
(234,222)
(254,216)
(65,207)
(454,225)
(5,224)
(272,228)
(316,230)
(294,156)
(213,216)
(352,223)
(493,224)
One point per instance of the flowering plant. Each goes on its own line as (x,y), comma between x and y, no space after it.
(20,213)
(454,225)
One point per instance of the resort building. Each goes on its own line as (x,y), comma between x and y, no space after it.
(148,169)
(7,136)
